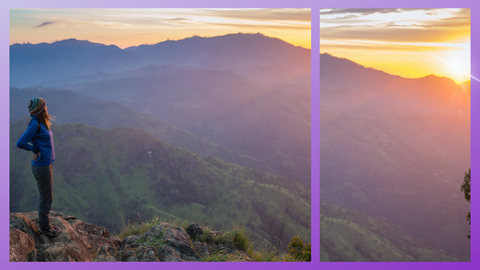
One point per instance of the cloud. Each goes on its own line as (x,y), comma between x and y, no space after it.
(177,19)
(360,11)
(43,24)
(400,28)
(438,34)
(402,48)
(263,26)
(269,14)
(174,22)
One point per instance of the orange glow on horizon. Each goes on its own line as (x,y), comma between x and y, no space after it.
(407,42)
(133,27)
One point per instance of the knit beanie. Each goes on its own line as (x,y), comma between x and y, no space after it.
(36,105)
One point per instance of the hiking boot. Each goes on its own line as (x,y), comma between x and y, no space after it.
(52,231)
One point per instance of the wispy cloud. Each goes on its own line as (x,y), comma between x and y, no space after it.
(177,19)
(360,11)
(387,47)
(43,24)
(436,25)
(265,26)
(300,15)
(423,34)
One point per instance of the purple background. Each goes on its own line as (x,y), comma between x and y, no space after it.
(315,5)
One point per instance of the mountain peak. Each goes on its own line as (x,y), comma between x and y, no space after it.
(235,38)
(70,42)
(432,78)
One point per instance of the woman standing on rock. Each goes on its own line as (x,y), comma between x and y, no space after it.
(38,138)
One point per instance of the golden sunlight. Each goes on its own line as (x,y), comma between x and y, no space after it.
(406,42)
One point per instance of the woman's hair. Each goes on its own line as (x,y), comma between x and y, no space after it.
(45,118)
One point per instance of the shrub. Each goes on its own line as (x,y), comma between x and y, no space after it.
(299,250)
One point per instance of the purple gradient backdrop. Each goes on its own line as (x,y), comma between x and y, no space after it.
(315,5)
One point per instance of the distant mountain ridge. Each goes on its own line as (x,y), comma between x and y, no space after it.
(32,64)
(341,79)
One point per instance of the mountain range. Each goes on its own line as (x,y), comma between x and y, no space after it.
(396,149)
(32,64)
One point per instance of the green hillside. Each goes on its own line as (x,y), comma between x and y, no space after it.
(268,123)
(348,235)
(102,175)
(70,107)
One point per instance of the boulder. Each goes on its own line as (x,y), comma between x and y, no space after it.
(21,245)
(82,241)
(194,230)
(78,241)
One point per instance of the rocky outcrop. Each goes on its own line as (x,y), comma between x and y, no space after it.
(82,241)
(78,241)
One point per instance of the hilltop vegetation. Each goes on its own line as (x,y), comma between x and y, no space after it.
(153,240)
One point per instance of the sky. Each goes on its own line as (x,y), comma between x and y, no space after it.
(411,43)
(133,27)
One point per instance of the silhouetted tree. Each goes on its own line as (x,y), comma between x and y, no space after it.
(465,188)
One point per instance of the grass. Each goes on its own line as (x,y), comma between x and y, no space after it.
(237,238)
(221,256)
(140,226)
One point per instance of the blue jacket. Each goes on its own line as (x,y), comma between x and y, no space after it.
(41,142)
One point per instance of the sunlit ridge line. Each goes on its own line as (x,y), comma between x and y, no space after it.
(470,75)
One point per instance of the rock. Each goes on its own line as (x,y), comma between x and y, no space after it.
(60,252)
(178,238)
(194,230)
(106,254)
(147,254)
(21,245)
(82,241)
(78,241)
(131,241)
(201,249)
(168,254)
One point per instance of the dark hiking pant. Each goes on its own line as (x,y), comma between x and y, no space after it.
(44,176)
